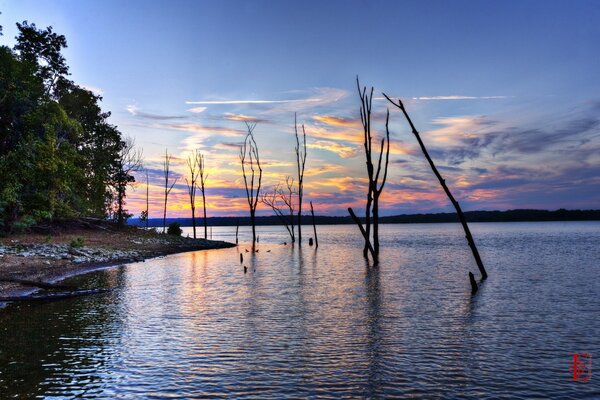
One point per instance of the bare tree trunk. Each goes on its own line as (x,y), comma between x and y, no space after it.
(249,156)
(461,216)
(166,171)
(373,192)
(312,211)
(300,162)
(147,199)
(204,207)
(364,233)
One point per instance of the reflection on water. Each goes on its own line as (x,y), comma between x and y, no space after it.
(306,323)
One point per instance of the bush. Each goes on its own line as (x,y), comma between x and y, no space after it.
(174,229)
(77,242)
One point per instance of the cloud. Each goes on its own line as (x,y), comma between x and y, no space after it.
(195,128)
(337,121)
(197,109)
(242,118)
(94,89)
(227,102)
(315,97)
(460,97)
(133,110)
(343,151)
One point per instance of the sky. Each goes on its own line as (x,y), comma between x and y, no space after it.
(506,95)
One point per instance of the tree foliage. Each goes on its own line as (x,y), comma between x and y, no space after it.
(58,153)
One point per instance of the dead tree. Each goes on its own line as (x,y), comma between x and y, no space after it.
(192,162)
(442,181)
(249,158)
(147,199)
(168,188)
(203,177)
(129,161)
(375,186)
(312,212)
(281,201)
(300,163)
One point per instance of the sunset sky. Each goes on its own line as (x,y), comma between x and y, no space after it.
(506,94)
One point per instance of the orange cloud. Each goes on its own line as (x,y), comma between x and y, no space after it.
(338,121)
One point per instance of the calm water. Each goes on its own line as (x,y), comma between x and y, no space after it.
(306,323)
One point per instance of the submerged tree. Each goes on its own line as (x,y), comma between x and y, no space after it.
(375,186)
(281,201)
(252,173)
(129,161)
(203,177)
(442,182)
(300,163)
(168,188)
(192,163)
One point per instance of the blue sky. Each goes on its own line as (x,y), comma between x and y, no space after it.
(506,93)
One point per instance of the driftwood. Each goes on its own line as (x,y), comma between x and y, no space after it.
(312,211)
(365,235)
(442,181)
(56,296)
(38,284)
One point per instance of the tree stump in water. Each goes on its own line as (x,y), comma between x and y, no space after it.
(474,287)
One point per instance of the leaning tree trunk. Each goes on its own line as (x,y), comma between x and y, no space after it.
(442,181)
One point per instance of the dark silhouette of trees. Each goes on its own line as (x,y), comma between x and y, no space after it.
(129,161)
(300,163)
(375,186)
(281,201)
(168,188)
(442,181)
(250,160)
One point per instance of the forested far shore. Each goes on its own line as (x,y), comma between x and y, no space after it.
(472,216)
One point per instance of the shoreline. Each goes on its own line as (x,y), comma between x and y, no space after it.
(73,251)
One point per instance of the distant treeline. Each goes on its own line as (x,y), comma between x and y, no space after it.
(472,216)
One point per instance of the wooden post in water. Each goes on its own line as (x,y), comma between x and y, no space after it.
(312,211)
(237,228)
(442,181)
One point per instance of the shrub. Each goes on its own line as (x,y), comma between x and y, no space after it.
(77,242)
(174,229)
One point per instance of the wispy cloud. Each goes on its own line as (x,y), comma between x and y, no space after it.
(342,150)
(461,97)
(94,89)
(213,102)
(135,111)
(315,97)
(451,97)
(242,118)
(197,109)
(337,121)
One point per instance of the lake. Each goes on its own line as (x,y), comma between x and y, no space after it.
(322,323)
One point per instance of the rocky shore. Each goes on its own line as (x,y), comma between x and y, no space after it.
(71,248)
